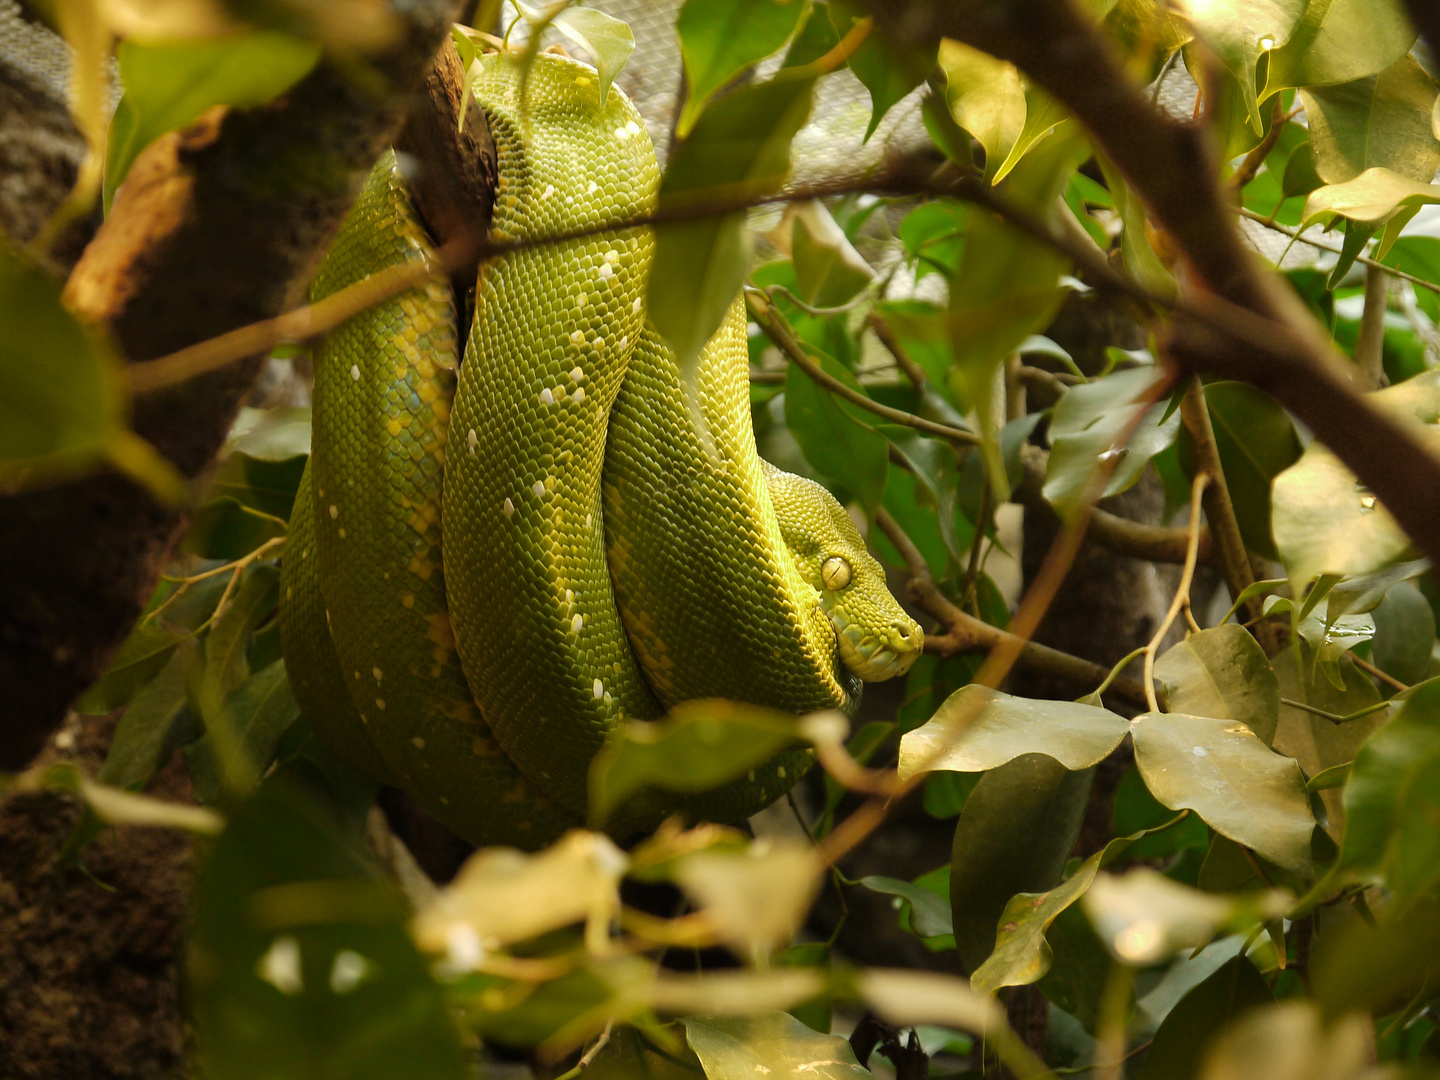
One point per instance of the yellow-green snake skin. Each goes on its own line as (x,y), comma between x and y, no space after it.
(600,562)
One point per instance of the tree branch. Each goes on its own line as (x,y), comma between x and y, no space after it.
(966,634)
(216,227)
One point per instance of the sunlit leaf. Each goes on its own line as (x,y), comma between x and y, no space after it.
(1371,198)
(1221,672)
(1237,784)
(1144,916)
(1324,520)
(742,1048)
(756,898)
(738,150)
(1042,114)
(1090,421)
(922,997)
(736,993)
(1339,41)
(987,98)
(1240,31)
(1289,1039)
(720,38)
(1202,1015)
(608,39)
(271,434)
(978,729)
(629,1056)
(1382,120)
(701,745)
(168,85)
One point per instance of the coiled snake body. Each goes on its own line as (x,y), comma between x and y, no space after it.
(600,561)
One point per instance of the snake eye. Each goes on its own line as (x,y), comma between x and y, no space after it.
(835,573)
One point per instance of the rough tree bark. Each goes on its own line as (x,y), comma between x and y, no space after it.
(217,226)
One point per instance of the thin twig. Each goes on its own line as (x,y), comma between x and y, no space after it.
(1370,344)
(1335,718)
(1186,576)
(1256,157)
(1365,665)
(778,331)
(1363,260)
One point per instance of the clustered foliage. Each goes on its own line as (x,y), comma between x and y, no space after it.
(1267,902)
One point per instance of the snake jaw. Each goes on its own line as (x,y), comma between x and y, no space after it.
(875,651)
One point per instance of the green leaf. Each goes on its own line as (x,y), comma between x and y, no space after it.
(1042,115)
(1379,967)
(757,898)
(828,269)
(1144,917)
(1364,593)
(1135,250)
(721,38)
(266,486)
(1221,673)
(300,963)
(1392,803)
(1088,422)
(168,85)
(149,730)
(275,435)
(1016,831)
(887,67)
(740,149)
(987,98)
(62,399)
(1404,634)
(816,38)
(978,729)
(1008,287)
(1137,811)
(147,650)
(258,711)
(227,528)
(834,434)
(1316,743)
(629,1056)
(934,235)
(699,746)
(1202,1015)
(1324,520)
(1371,198)
(927,910)
(774,1044)
(1256,441)
(608,39)
(1022,955)
(1339,41)
(1237,784)
(1289,1039)
(1382,120)
(1239,32)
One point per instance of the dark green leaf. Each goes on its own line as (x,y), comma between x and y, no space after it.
(258,711)
(226,528)
(147,650)
(816,38)
(152,726)
(300,963)
(1200,1016)
(169,85)
(628,1056)
(721,38)
(1017,829)
(699,746)
(947,792)
(887,67)
(1256,441)
(934,234)
(1222,673)
(266,486)
(1136,810)
(1404,634)
(836,435)
(927,910)
(1379,968)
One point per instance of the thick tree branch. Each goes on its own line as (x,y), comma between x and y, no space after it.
(216,227)
(1173,167)
(966,634)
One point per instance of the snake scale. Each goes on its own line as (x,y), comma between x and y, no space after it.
(492,563)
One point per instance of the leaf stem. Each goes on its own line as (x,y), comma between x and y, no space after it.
(1197,489)
(1335,718)
(1363,260)
(1366,666)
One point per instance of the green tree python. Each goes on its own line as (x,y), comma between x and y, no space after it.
(492,564)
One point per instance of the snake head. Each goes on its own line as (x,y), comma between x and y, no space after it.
(877,640)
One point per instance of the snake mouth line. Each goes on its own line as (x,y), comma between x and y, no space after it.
(875,653)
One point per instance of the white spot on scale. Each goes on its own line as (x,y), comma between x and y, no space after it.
(569,596)
(599,689)
(633,127)
(579,395)
(608,701)
(342,534)
(594,187)
(589,520)
(622,133)
(280,966)
(471,440)
(612,256)
(508,508)
(547,398)
(549,190)
(599,344)
(780,772)
(380,704)
(1200,751)
(377,673)
(636,306)
(580,303)
(355,372)
(334,511)
(578,337)
(624,340)
(576,375)
(418,743)
(538,489)
(605,272)
(576,623)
